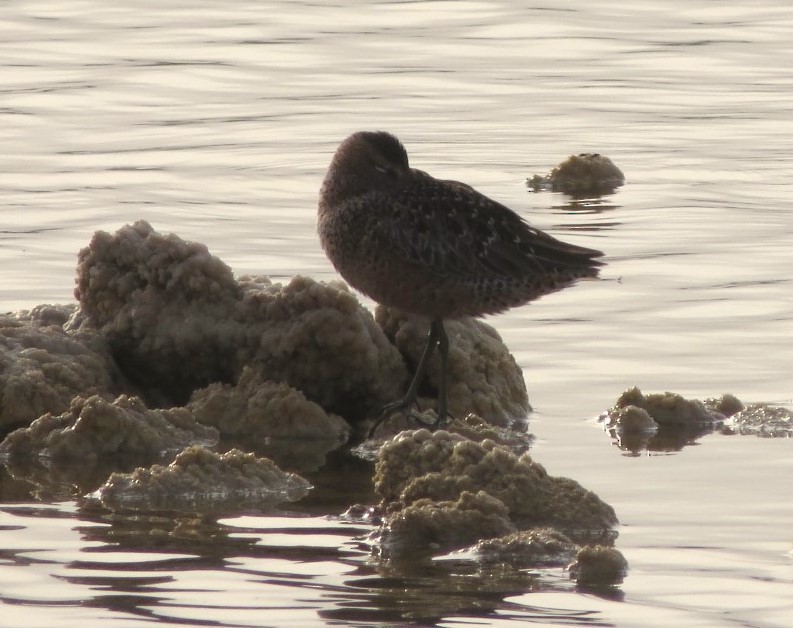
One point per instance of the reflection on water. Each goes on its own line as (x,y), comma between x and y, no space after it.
(216,121)
(154,566)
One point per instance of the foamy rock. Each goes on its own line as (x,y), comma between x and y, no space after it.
(538,547)
(96,428)
(257,408)
(177,320)
(484,377)
(597,566)
(202,480)
(43,366)
(420,475)
(637,411)
(273,417)
(761,419)
(592,566)
(586,173)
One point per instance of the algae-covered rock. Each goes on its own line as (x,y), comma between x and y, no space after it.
(630,418)
(94,427)
(598,566)
(257,408)
(667,421)
(272,418)
(537,547)
(666,409)
(43,366)
(177,320)
(423,474)
(483,376)
(766,421)
(727,405)
(473,427)
(585,173)
(443,524)
(199,479)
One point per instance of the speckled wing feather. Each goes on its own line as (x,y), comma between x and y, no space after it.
(458,231)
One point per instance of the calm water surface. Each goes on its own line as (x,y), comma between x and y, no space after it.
(217,120)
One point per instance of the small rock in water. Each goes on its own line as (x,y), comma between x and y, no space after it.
(598,566)
(586,173)
(202,480)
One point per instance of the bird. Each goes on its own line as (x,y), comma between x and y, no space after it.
(433,248)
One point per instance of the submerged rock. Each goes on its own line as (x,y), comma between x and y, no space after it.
(672,409)
(663,409)
(661,421)
(537,547)
(597,566)
(43,366)
(668,422)
(586,173)
(515,437)
(199,479)
(483,376)
(443,491)
(631,418)
(94,428)
(442,524)
(760,419)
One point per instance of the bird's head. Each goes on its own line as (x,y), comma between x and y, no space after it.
(366,160)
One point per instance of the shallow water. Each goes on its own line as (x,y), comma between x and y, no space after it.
(217,120)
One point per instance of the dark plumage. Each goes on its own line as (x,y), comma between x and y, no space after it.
(432,247)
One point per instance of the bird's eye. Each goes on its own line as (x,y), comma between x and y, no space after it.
(381,169)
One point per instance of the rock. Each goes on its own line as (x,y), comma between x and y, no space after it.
(484,377)
(164,303)
(202,480)
(425,477)
(43,366)
(666,409)
(536,547)
(597,566)
(95,428)
(256,408)
(586,173)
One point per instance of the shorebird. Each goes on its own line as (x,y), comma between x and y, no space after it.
(433,248)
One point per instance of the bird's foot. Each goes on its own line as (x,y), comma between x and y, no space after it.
(406,407)
(438,423)
(402,406)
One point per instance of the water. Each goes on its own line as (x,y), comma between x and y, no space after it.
(217,120)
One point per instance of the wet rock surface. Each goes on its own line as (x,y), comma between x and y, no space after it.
(586,173)
(164,303)
(202,480)
(43,366)
(273,419)
(258,408)
(94,428)
(668,421)
(598,566)
(538,547)
(441,492)
(760,419)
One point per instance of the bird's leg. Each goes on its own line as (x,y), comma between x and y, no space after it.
(443,350)
(412,393)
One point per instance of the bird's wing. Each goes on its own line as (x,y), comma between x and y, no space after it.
(455,230)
